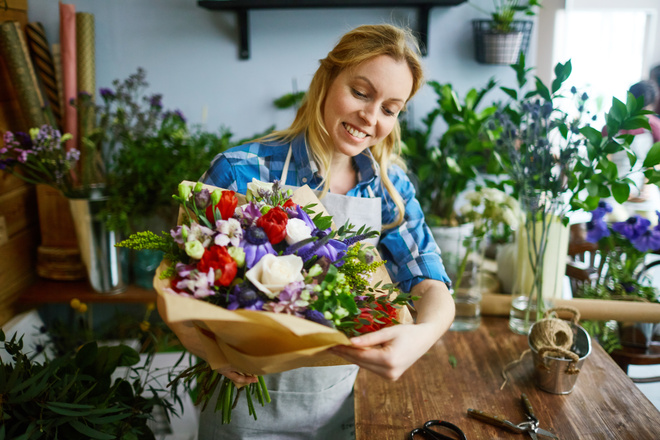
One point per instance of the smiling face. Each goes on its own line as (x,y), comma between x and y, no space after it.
(363,103)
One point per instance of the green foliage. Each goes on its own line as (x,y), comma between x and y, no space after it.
(445,167)
(74,396)
(544,149)
(355,264)
(505,11)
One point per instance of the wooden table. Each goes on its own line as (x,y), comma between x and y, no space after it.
(605,404)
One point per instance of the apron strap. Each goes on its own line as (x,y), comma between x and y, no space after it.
(285,168)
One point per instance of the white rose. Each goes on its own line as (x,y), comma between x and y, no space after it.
(254,187)
(272,273)
(297,230)
(194,249)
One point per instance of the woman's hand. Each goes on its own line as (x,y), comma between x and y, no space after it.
(389,352)
(239,379)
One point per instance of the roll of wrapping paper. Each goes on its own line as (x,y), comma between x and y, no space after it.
(592,309)
(44,67)
(86,77)
(69,75)
(85,53)
(14,51)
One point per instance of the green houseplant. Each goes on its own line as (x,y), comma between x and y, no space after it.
(74,396)
(557,163)
(500,39)
(444,167)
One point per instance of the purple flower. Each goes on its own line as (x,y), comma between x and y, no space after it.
(648,241)
(632,228)
(249,214)
(106,93)
(156,100)
(255,244)
(333,250)
(317,317)
(597,229)
(602,210)
(290,300)
(245,296)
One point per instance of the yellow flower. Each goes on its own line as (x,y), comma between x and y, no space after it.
(144,326)
(82,308)
(150,306)
(75,303)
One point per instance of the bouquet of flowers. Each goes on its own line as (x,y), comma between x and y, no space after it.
(265,283)
(40,157)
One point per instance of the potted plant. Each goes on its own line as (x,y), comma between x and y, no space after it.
(557,163)
(623,247)
(445,167)
(76,395)
(501,39)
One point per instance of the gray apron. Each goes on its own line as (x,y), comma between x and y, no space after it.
(307,403)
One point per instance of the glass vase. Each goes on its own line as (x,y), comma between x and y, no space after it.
(542,248)
(466,286)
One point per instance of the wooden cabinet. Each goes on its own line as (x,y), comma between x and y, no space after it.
(19,221)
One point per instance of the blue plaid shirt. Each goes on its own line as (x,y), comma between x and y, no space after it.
(410,250)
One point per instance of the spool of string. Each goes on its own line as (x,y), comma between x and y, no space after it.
(552,336)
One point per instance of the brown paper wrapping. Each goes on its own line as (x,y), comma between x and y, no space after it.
(251,341)
(593,309)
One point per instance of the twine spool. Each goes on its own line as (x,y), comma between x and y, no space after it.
(552,336)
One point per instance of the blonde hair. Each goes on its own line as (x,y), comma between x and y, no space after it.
(357,46)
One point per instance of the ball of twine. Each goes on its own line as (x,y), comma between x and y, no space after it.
(554,337)
(552,333)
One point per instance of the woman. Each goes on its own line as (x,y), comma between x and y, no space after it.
(342,142)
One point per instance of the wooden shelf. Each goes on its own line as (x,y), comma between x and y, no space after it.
(47,291)
(242,8)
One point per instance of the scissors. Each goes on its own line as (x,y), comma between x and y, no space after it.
(428,433)
(530,426)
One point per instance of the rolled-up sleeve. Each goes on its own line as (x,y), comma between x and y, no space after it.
(410,250)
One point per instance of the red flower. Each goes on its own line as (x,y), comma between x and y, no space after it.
(384,313)
(274,223)
(289,204)
(218,259)
(226,205)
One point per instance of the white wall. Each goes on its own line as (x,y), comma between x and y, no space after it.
(190,53)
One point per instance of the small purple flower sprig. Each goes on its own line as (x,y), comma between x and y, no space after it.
(40,157)
(624,246)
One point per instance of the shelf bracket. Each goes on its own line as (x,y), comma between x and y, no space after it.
(243,34)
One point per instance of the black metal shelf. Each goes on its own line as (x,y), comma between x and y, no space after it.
(242,8)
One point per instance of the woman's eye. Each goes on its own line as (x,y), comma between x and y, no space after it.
(359,94)
(389,112)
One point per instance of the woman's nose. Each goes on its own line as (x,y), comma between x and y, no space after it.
(368,114)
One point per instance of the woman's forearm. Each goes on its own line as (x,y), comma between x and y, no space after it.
(435,306)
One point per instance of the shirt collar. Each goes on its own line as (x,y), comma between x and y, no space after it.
(366,164)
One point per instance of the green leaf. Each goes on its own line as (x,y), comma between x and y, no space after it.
(87,354)
(620,191)
(635,122)
(593,136)
(511,92)
(90,432)
(452,361)
(652,157)
(542,89)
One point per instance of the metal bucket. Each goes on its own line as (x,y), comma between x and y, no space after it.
(97,244)
(550,373)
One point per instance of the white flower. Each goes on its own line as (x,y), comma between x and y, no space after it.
(272,273)
(297,230)
(254,187)
(230,232)
(494,195)
(510,217)
(194,249)
(197,232)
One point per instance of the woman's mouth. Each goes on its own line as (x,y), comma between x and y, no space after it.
(354,131)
